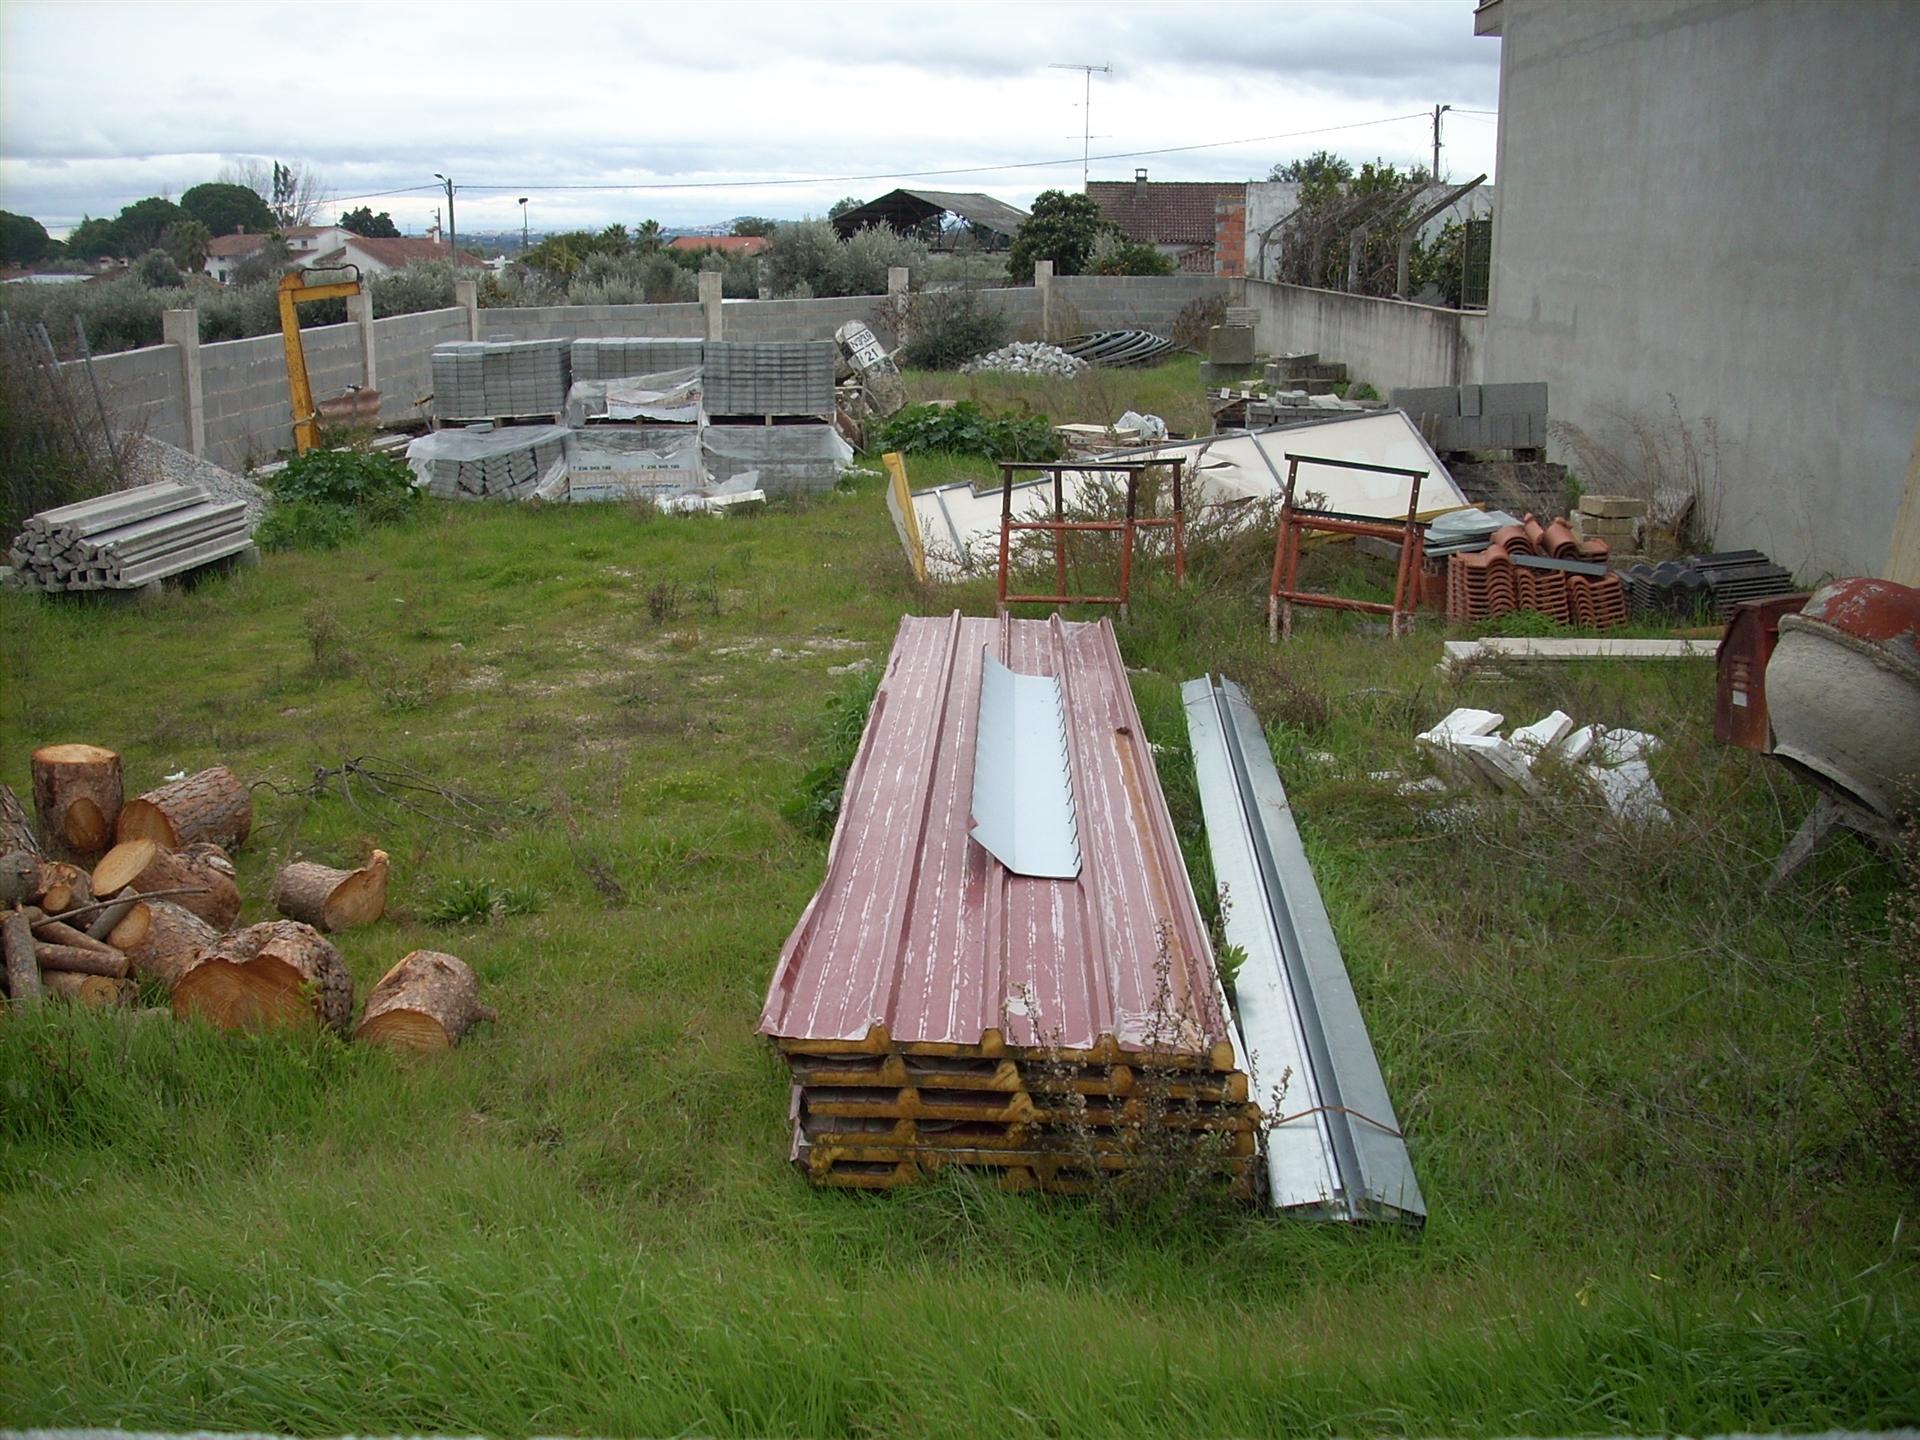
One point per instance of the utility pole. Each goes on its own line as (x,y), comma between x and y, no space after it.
(453,234)
(1438,111)
(1086,128)
(523,223)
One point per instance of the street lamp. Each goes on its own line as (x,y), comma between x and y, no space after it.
(453,233)
(523,224)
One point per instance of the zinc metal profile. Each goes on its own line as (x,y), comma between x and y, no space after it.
(1339,1155)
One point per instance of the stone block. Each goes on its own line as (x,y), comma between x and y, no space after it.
(1612,506)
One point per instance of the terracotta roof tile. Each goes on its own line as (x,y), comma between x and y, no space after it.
(1164,212)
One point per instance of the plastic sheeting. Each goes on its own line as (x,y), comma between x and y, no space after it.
(672,396)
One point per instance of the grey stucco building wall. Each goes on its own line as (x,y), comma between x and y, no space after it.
(1713,207)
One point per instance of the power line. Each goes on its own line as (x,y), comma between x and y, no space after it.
(907,174)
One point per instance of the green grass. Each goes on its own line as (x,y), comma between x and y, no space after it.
(1650,1211)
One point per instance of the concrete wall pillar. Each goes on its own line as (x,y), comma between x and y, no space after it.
(466,294)
(710,302)
(181,329)
(897,277)
(1043,282)
(360,312)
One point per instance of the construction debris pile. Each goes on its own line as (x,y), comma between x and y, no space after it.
(1613,762)
(1018,978)
(690,425)
(111,897)
(1027,357)
(128,539)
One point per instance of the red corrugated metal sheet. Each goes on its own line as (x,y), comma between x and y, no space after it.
(919,942)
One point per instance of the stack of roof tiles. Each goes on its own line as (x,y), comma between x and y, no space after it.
(128,539)
(937,1008)
(1716,583)
(500,379)
(1542,568)
(787,377)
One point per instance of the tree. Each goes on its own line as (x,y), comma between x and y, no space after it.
(1114,254)
(1063,229)
(91,239)
(265,263)
(648,237)
(23,239)
(157,271)
(186,240)
(754,225)
(1318,169)
(841,207)
(293,193)
(142,223)
(364,222)
(226,209)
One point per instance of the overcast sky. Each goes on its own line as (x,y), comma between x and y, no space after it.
(685,104)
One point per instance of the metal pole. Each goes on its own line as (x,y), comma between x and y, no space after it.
(106,429)
(1438,111)
(523,223)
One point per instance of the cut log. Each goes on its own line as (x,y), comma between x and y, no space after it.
(330,899)
(212,805)
(55,932)
(62,886)
(278,974)
(16,831)
(426,1002)
(95,991)
(23,967)
(122,865)
(19,877)
(162,941)
(76,794)
(202,867)
(104,923)
(75,961)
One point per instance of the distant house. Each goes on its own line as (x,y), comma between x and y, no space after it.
(724,244)
(911,212)
(1182,219)
(316,246)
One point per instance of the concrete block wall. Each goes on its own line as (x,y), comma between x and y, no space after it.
(249,414)
(1389,344)
(143,391)
(403,349)
(577,322)
(1134,302)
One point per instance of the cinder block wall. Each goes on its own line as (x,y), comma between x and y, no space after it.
(577,322)
(1390,344)
(1134,302)
(243,385)
(142,389)
(403,347)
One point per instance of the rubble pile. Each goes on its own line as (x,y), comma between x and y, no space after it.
(1027,357)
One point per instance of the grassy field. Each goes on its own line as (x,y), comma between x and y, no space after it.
(1651,1210)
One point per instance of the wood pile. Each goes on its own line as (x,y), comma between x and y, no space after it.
(128,539)
(159,911)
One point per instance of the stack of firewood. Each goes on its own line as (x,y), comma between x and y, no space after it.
(108,893)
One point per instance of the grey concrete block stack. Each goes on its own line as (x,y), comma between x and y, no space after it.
(613,358)
(510,472)
(790,377)
(1478,417)
(498,379)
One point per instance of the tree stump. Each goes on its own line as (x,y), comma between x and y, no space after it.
(212,806)
(16,831)
(271,976)
(23,966)
(76,794)
(426,1002)
(97,992)
(330,899)
(203,867)
(162,941)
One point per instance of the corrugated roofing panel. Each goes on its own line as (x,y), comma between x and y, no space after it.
(919,939)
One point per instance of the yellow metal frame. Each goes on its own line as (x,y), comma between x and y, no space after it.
(905,519)
(295,292)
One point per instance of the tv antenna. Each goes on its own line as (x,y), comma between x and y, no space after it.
(1086,131)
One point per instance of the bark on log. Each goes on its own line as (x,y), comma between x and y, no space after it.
(104,923)
(77,794)
(330,899)
(19,877)
(427,1002)
(122,865)
(75,961)
(16,831)
(203,867)
(95,991)
(23,969)
(162,941)
(56,932)
(212,805)
(268,976)
(62,886)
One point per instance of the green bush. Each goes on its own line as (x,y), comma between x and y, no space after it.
(964,428)
(947,328)
(326,497)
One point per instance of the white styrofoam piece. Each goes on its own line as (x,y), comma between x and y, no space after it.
(1543,734)
(1617,747)
(1499,764)
(1574,748)
(1464,721)
(1630,791)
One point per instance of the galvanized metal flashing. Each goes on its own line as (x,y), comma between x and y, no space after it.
(1022,793)
(1338,1153)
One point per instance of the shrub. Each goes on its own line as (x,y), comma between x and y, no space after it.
(157,271)
(48,455)
(804,253)
(1114,254)
(326,497)
(964,428)
(1196,318)
(815,804)
(862,264)
(946,328)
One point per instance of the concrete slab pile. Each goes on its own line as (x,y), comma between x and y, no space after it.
(128,539)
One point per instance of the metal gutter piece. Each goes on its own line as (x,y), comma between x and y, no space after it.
(1022,793)
(1339,1153)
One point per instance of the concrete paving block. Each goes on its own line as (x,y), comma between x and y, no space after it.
(1612,506)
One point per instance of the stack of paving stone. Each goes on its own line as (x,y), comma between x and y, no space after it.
(128,539)
(791,377)
(616,357)
(500,379)
(1611,518)
(505,464)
